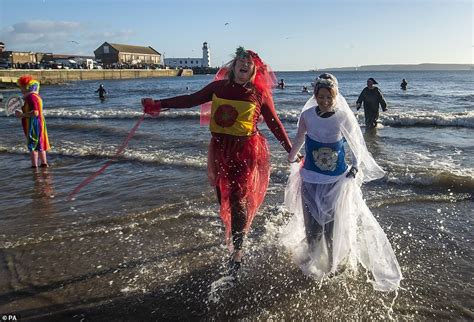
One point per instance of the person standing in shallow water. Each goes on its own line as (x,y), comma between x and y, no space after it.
(332,227)
(101,90)
(372,98)
(404,84)
(281,84)
(238,157)
(32,120)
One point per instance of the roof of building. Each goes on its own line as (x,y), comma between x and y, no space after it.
(188,58)
(68,56)
(11,52)
(135,49)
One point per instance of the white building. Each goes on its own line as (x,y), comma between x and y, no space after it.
(205,61)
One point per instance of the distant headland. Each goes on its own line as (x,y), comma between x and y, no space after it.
(407,67)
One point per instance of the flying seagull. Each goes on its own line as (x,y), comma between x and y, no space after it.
(226,24)
(74,41)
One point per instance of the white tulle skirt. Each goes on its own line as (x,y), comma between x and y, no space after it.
(355,236)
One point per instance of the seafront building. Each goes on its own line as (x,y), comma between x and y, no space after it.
(118,54)
(108,55)
(37,60)
(189,62)
(14,58)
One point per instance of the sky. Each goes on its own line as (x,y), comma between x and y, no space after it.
(287,34)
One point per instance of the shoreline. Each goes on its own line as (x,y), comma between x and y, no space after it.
(57,76)
(147,284)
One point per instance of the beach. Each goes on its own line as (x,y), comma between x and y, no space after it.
(144,240)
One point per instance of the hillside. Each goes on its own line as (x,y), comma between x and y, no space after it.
(415,67)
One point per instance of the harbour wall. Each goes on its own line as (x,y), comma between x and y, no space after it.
(58,76)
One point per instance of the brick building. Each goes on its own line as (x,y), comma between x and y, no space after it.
(111,54)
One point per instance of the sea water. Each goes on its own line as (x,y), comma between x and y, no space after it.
(144,239)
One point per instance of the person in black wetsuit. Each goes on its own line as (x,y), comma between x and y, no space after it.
(372,97)
(281,84)
(404,84)
(101,90)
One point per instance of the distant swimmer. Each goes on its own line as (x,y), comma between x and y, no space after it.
(305,89)
(101,90)
(404,84)
(372,97)
(281,84)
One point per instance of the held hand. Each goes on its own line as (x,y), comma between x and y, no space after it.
(298,158)
(384,109)
(358,107)
(18,114)
(352,173)
(151,107)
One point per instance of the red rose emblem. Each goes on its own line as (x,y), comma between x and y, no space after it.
(225,115)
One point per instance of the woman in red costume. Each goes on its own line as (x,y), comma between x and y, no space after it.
(238,160)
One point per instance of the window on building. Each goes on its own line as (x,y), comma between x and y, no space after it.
(106,49)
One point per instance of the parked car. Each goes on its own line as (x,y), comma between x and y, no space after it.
(45,65)
(5,65)
(57,66)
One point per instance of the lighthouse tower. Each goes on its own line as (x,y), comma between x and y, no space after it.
(206,56)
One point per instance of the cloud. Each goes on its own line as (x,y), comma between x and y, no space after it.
(56,36)
(43,26)
(38,35)
(120,34)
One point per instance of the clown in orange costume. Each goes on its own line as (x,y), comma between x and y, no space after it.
(32,120)
(238,159)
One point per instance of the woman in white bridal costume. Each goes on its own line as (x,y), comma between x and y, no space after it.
(332,228)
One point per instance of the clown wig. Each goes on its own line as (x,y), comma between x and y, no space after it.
(29,83)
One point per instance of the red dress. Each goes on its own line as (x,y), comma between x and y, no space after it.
(238,160)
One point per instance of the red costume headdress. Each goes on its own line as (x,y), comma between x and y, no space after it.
(264,80)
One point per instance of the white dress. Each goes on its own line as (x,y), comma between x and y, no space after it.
(355,236)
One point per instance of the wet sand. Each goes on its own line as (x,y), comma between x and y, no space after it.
(163,270)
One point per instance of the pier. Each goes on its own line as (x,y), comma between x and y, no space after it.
(8,77)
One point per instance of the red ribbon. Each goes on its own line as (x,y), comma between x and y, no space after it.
(105,166)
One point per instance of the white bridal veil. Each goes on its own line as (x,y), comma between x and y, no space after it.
(357,236)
